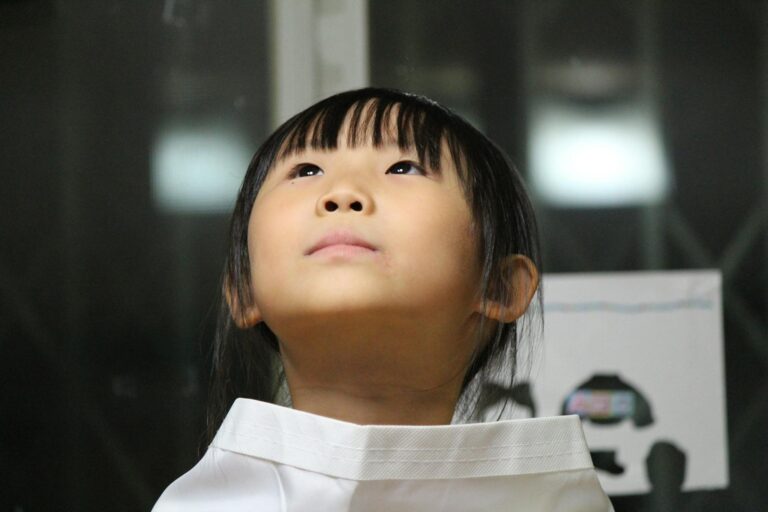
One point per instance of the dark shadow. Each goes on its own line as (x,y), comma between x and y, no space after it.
(494,394)
(665,466)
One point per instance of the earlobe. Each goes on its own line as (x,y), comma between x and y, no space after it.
(244,318)
(521,280)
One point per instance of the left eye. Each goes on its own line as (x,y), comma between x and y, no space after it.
(405,167)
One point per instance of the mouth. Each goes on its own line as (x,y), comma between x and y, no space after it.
(341,241)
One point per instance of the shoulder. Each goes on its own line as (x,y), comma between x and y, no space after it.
(224,481)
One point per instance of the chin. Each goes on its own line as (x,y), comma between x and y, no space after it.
(345,305)
(332,310)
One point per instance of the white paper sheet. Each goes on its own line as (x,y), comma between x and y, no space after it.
(660,334)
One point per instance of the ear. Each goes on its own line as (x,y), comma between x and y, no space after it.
(521,279)
(244,317)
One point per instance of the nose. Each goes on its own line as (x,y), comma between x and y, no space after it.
(344,200)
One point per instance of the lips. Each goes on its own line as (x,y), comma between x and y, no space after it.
(341,238)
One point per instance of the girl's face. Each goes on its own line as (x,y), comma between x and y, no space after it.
(361,229)
(365,266)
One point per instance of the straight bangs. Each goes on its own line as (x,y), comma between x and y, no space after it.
(399,120)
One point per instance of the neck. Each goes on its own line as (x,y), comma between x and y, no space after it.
(386,375)
(380,405)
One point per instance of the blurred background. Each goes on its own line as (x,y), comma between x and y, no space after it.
(126,126)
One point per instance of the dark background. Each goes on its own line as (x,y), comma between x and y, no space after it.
(107,302)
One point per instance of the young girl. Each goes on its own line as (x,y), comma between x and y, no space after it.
(382,253)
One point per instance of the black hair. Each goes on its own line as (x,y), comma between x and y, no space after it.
(246,363)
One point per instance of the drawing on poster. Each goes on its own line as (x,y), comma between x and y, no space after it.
(635,355)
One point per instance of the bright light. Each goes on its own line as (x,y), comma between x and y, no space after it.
(585,158)
(198,168)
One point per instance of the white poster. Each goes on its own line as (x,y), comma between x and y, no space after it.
(639,356)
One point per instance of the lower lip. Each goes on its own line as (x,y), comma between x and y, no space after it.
(343,251)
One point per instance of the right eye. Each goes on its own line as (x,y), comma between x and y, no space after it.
(305,171)
(405,167)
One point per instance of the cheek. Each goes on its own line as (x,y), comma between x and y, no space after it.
(444,248)
(270,243)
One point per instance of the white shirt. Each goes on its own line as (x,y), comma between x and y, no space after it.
(270,458)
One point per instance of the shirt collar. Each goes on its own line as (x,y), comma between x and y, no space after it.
(383,452)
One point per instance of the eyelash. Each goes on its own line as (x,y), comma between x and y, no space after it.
(296,171)
(416,166)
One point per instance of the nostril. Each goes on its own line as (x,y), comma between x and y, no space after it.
(331,206)
(356,206)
